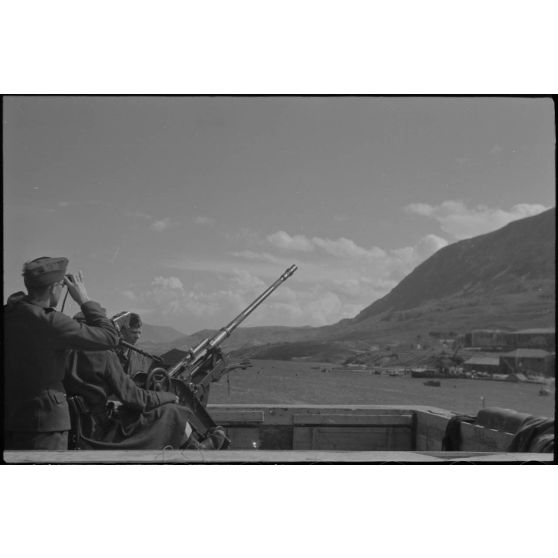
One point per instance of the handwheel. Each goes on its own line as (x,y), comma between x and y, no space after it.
(158,380)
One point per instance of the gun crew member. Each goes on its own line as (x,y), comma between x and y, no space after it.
(132,362)
(144,419)
(36,339)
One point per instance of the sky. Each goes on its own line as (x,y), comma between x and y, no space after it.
(184,209)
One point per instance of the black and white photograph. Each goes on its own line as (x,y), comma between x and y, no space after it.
(279,279)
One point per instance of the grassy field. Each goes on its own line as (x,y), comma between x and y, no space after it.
(287,382)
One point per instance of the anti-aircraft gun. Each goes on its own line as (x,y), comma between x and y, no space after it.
(191,376)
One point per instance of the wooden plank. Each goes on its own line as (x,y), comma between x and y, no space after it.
(239,456)
(234,417)
(361,439)
(302,438)
(520,458)
(282,414)
(372,409)
(201,457)
(430,431)
(353,420)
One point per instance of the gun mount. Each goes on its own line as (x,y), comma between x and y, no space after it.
(190,378)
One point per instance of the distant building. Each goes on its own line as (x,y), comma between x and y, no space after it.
(488,338)
(494,339)
(528,361)
(535,338)
(483,364)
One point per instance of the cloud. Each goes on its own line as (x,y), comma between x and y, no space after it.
(429,244)
(285,241)
(342,247)
(258,257)
(336,279)
(168,296)
(161,224)
(420,209)
(259,263)
(157,225)
(456,219)
(343,270)
(344,267)
(128,294)
(246,236)
(247,281)
(173,283)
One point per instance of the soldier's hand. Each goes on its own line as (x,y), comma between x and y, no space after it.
(76,287)
(113,408)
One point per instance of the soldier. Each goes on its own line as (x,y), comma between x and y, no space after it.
(132,362)
(139,419)
(36,339)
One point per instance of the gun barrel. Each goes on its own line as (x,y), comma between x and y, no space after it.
(207,344)
(137,350)
(224,332)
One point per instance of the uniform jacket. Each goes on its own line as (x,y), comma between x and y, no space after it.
(133,362)
(35,341)
(146,420)
(98,375)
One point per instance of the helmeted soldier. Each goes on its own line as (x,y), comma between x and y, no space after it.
(36,338)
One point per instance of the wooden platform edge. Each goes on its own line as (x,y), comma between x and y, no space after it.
(263,456)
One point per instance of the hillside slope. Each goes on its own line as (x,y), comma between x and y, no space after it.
(509,260)
(159,334)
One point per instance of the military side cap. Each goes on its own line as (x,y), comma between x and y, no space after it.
(44,271)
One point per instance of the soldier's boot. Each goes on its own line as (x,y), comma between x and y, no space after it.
(216,439)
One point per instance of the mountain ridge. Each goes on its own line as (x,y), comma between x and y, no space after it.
(505,254)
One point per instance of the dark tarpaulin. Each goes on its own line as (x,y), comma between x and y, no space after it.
(536,434)
(452,436)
